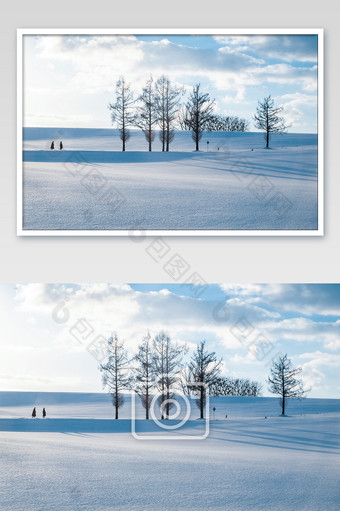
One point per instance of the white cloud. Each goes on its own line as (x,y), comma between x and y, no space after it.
(306,299)
(306,330)
(110,308)
(295,106)
(283,47)
(45,348)
(317,366)
(98,61)
(131,313)
(63,71)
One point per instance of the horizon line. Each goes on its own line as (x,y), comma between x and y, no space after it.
(179,130)
(131,393)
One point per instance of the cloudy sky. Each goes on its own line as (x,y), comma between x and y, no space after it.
(51,335)
(69,80)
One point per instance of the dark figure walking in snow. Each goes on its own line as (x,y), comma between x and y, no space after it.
(34,413)
(61,146)
(52,145)
(44,413)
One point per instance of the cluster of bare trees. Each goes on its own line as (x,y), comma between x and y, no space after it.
(155,368)
(158,108)
(158,369)
(229,386)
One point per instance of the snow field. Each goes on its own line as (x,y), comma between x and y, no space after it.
(74,461)
(238,184)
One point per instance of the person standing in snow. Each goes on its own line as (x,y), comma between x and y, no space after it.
(44,413)
(34,413)
(61,146)
(52,145)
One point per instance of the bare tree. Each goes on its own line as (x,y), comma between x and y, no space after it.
(166,364)
(121,111)
(267,118)
(282,381)
(167,104)
(115,376)
(203,368)
(198,110)
(143,380)
(147,113)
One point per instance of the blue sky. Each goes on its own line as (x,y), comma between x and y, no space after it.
(50,334)
(69,80)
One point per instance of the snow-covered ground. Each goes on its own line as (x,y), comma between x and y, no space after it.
(80,458)
(236,185)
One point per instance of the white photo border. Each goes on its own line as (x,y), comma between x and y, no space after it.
(21,32)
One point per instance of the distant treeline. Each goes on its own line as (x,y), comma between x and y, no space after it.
(236,387)
(159,107)
(219,123)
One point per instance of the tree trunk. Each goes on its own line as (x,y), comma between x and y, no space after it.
(167,136)
(267,138)
(116,406)
(123,128)
(116,382)
(202,404)
(196,137)
(147,403)
(162,401)
(167,404)
(150,133)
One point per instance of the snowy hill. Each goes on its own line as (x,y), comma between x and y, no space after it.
(74,461)
(236,185)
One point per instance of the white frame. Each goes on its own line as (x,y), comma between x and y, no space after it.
(165,31)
